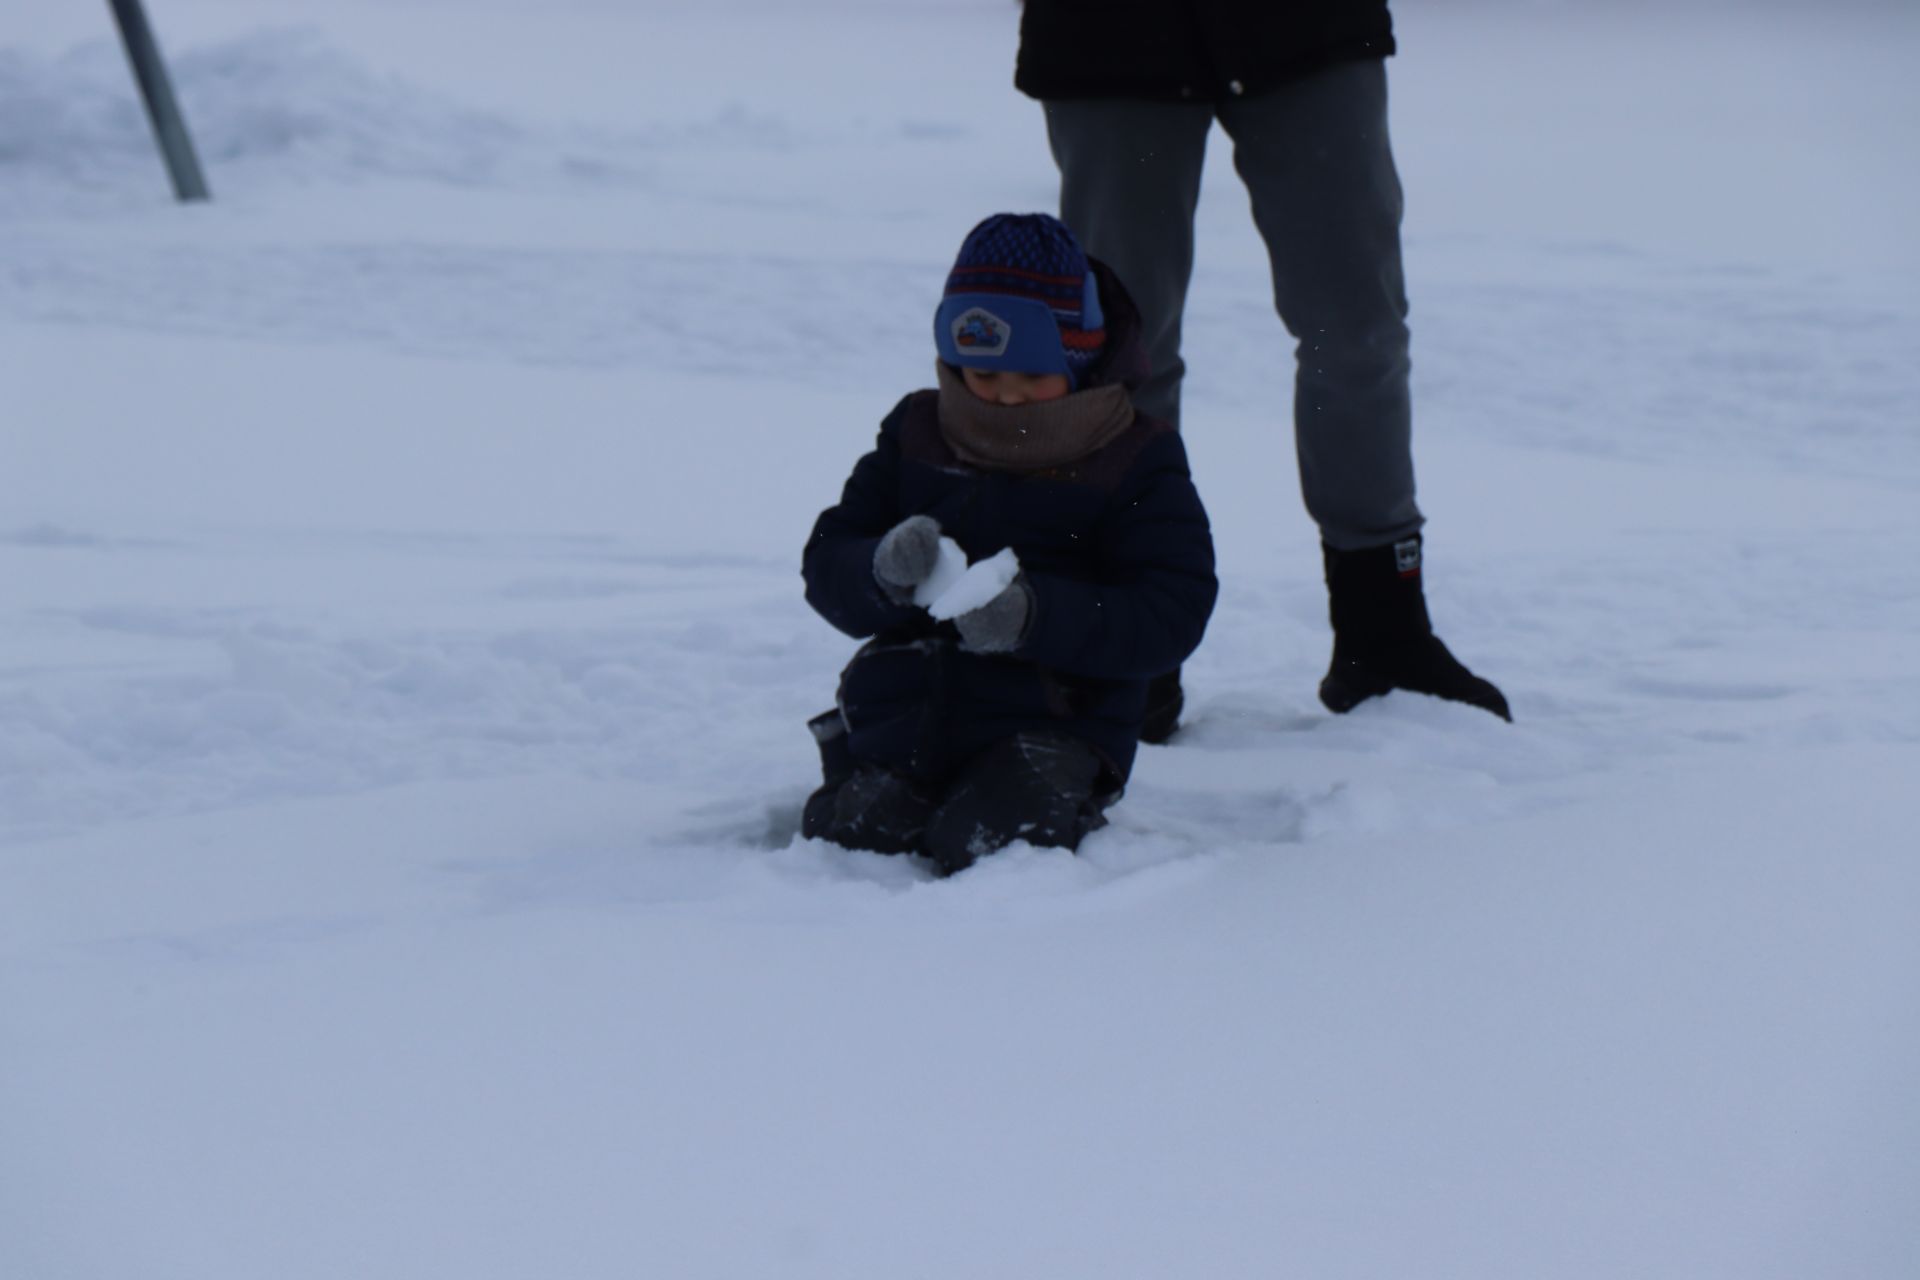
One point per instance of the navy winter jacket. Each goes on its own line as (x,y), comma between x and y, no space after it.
(1115,547)
(1190,50)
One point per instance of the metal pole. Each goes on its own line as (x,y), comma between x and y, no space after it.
(169,128)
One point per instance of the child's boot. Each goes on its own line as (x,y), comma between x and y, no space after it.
(1040,787)
(829,730)
(862,806)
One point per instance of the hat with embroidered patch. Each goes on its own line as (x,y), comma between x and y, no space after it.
(1021,299)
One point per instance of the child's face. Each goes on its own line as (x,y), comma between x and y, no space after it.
(1015,388)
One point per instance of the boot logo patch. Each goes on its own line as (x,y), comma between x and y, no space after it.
(1406,557)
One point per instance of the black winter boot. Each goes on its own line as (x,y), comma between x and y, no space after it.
(1039,787)
(829,731)
(862,806)
(1382,637)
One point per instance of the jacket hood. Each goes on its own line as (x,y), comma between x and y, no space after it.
(1124,361)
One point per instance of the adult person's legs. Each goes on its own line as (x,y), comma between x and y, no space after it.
(1318,165)
(1316,161)
(1129,184)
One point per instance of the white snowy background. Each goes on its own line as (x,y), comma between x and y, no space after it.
(403,669)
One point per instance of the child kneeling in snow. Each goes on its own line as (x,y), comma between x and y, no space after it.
(1004,701)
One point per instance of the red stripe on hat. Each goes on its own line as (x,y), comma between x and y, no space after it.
(1075,281)
(1083,339)
(1051,303)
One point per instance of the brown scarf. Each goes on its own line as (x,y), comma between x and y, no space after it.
(1029,437)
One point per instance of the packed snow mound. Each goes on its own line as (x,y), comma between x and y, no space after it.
(287,99)
(274,106)
(67,118)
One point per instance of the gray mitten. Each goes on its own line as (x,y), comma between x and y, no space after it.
(906,556)
(999,625)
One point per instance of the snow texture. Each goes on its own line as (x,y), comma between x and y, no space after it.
(978,585)
(404,675)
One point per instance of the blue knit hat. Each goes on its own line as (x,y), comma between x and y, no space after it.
(1021,299)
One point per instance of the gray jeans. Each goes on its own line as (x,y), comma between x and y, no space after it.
(1317,164)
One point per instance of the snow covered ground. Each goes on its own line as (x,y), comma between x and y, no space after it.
(403,672)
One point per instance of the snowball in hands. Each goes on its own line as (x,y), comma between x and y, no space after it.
(977,586)
(948,569)
(988,602)
(989,606)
